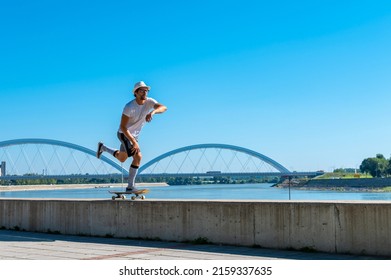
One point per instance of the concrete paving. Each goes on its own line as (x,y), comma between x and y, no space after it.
(21,245)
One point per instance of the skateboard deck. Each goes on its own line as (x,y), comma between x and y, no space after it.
(135,195)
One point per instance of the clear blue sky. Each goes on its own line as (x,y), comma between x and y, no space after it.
(306,83)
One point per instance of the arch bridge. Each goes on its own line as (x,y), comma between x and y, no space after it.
(45,158)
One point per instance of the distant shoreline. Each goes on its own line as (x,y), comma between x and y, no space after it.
(346,185)
(342,189)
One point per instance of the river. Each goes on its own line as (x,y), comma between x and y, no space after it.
(208,192)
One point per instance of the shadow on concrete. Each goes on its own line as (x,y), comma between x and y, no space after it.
(151,245)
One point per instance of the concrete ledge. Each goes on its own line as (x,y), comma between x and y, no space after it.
(335,227)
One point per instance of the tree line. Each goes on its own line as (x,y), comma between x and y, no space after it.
(169,180)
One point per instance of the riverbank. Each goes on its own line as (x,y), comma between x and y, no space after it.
(353,185)
(73,186)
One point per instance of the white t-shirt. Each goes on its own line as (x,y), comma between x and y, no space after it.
(137,114)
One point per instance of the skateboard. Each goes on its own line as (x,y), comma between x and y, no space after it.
(135,195)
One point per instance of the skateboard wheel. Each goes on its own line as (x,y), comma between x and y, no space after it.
(113,197)
(133,197)
(142,197)
(123,196)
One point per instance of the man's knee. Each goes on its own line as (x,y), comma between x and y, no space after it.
(138,155)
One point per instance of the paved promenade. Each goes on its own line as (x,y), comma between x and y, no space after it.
(19,245)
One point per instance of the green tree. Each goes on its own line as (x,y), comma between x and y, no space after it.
(376,166)
(388,171)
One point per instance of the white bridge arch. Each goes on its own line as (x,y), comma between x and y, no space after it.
(209,155)
(211,164)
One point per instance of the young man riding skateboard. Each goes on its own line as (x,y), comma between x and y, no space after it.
(134,116)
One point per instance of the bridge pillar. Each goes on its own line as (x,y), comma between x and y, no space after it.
(2,169)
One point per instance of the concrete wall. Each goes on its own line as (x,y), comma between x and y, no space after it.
(336,227)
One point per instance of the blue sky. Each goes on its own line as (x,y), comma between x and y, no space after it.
(306,83)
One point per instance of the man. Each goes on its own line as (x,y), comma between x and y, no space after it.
(135,114)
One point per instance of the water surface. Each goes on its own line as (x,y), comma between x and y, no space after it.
(209,192)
